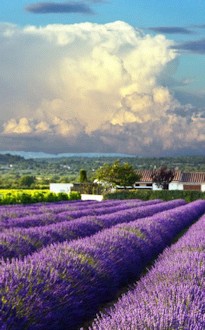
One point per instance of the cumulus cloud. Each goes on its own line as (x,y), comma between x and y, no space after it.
(144,107)
(19,127)
(90,87)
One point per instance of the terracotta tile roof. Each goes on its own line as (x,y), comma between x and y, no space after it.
(191,177)
(177,176)
(146,175)
(194,177)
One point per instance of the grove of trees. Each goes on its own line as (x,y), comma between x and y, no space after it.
(117,174)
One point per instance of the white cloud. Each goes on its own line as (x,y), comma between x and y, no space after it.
(91,80)
(17,127)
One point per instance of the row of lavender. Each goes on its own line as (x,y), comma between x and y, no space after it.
(57,213)
(64,284)
(10,216)
(13,211)
(19,242)
(171,295)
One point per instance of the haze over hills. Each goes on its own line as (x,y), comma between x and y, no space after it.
(31,154)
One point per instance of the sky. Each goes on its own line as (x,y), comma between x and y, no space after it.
(111,76)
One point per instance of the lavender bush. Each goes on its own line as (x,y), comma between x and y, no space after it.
(8,212)
(170,296)
(21,242)
(64,284)
(55,214)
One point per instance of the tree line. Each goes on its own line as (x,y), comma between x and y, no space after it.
(108,176)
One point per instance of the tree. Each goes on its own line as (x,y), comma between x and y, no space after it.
(27,180)
(163,176)
(117,174)
(83,176)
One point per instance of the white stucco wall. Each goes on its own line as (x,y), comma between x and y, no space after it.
(85,197)
(175,186)
(61,187)
(154,187)
(203,187)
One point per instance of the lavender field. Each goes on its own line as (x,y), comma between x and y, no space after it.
(171,295)
(62,262)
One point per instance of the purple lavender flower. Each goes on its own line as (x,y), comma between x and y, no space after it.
(170,296)
(65,283)
(19,242)
(33,216)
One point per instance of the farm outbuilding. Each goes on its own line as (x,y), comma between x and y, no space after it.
(182,181)
(189,181)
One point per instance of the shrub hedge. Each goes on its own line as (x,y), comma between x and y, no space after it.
(165,195)
(10,196)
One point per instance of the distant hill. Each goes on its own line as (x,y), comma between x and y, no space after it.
(30,154)
(10,159)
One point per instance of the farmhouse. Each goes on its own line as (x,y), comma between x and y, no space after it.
(61,187)
(181,181)
(189,181)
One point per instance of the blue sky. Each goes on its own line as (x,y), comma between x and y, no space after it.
(140,13)
(57,59)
